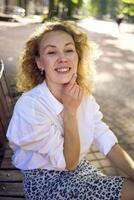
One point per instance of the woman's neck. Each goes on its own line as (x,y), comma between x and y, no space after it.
(56,90)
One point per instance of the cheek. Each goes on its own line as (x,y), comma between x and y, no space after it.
(76,60)
(45,62)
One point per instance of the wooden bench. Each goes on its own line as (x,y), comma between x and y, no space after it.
(5,105)
(10,177)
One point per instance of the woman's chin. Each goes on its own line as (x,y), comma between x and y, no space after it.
(68,79)
(66,82)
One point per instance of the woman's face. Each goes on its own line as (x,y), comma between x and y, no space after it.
(58,57)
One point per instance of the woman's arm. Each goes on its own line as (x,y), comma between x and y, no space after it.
(71,140)
(122,160)
(72,96)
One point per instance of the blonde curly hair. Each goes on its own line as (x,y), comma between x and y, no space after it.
(30,75)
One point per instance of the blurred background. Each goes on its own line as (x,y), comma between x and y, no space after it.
(102,9)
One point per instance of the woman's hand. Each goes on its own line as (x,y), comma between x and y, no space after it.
(72,95)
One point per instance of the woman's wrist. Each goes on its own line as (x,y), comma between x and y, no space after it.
(70,113)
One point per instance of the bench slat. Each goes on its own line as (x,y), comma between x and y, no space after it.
(5,104)
(10,175)
(11,189)
(6,164)
(8,153)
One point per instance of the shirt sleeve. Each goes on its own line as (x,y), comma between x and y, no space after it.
(104,138)
(31,130)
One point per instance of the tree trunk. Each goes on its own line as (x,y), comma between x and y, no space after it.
(51,8)
(69,6)
(6,2)
(25,2)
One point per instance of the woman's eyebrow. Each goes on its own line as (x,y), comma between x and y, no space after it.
(54,46)
(49,45)
(69,43)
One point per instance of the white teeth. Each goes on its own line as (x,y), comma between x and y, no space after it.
(63,69)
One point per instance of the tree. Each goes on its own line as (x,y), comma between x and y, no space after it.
(128,7)
(6,2)
(105,7)
(98,7)
(70,6)
(115,8)
(51,8)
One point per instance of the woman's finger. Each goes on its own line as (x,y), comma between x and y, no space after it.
(80,93)
(76,93)
(70,84)
(71,91)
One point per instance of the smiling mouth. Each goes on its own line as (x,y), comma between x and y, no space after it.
(63,69)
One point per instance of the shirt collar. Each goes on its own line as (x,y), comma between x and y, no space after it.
(54,104)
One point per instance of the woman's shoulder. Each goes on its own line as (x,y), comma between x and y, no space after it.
(89,102)
(89,99)
(28,99)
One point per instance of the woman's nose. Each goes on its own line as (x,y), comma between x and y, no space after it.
(62,58)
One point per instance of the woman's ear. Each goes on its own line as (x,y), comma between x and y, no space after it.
(37,60)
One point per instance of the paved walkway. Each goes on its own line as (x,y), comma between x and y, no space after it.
(114,82)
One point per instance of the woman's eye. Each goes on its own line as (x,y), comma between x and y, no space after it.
(69,50)
(51,52)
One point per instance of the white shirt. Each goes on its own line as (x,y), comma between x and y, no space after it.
(36,132)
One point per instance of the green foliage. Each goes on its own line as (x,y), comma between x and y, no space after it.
(128,7)
(98,8)
(128,1)
(94,7)
(115,7)
(104,7)
(112,8)
(75,1)
(63,8)
(129,11)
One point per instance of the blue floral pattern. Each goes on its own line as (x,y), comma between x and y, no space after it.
(85,183)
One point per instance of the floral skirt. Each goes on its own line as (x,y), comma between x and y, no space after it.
(85,183)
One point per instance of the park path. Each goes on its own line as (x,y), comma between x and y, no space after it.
(114,83)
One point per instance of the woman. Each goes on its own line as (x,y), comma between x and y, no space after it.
(57,119)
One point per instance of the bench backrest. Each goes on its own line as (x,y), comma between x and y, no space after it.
(5,104)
